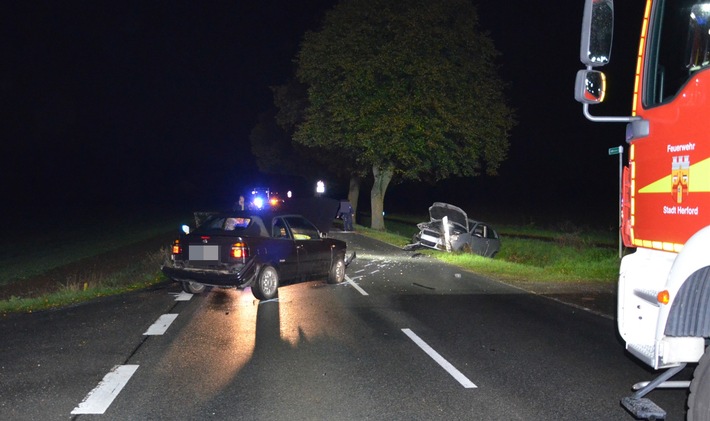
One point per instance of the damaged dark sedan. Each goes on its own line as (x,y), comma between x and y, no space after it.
(261,250)
(450,229)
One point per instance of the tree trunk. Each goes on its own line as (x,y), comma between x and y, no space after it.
(354,194)
(382,177)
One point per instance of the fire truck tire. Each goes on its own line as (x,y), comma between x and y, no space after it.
(337,271)
(193,287)
(266,285)
(699,398)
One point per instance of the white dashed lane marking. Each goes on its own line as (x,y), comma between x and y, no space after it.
(161,325)
(455,373)
(182,296)
(99,399)
(356,286)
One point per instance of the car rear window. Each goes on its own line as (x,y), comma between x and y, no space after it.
(227,224)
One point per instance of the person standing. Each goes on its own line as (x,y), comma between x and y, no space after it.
(239,206)
(346,213)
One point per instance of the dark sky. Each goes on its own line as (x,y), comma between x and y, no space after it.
(117,102)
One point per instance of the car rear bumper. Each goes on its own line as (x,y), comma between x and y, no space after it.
(214,277)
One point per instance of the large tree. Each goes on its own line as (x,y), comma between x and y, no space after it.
(272,145)
(291,100)
(406,88)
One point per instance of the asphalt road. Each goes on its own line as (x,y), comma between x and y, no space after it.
(406,338)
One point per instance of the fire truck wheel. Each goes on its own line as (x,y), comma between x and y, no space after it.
(266,285)
(193,287)
(337,272)
(699,398)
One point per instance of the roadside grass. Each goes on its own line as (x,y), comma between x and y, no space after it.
(83,287)
(527,254)
(562,231)
(36,248)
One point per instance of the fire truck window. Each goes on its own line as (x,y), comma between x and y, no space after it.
(698,37)
(670,67)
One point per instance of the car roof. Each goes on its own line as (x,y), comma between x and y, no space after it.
(319,211)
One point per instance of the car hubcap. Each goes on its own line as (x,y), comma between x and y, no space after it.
(340,271)
(194,286)
(268,282)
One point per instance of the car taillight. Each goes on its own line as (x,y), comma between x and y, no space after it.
(177,249)
(240,251)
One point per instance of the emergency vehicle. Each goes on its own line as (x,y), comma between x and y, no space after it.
(664,285)
(263,198)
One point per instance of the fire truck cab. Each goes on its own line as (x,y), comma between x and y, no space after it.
(664,285)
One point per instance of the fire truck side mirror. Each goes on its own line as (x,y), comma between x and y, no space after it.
(590,86)
(597,32)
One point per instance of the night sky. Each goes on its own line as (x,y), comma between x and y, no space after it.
(121,103)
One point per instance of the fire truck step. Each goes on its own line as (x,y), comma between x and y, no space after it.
(644,352)
(643,408)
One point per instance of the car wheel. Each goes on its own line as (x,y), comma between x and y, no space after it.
(266,286)
(193,287)
(337,272)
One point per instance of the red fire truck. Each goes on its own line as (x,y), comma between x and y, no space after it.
(664,285)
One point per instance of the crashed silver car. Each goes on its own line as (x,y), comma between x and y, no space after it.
(450,229)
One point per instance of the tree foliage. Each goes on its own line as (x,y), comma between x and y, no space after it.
(275,151)
(406,86)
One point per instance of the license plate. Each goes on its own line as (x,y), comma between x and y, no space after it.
(204,253)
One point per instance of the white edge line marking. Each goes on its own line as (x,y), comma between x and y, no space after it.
(99,399)
(183,296)
(465,382)
(161,325)
(356,286)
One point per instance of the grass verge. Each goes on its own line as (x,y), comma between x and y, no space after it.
(83,287)
(541,256)
(36,251)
